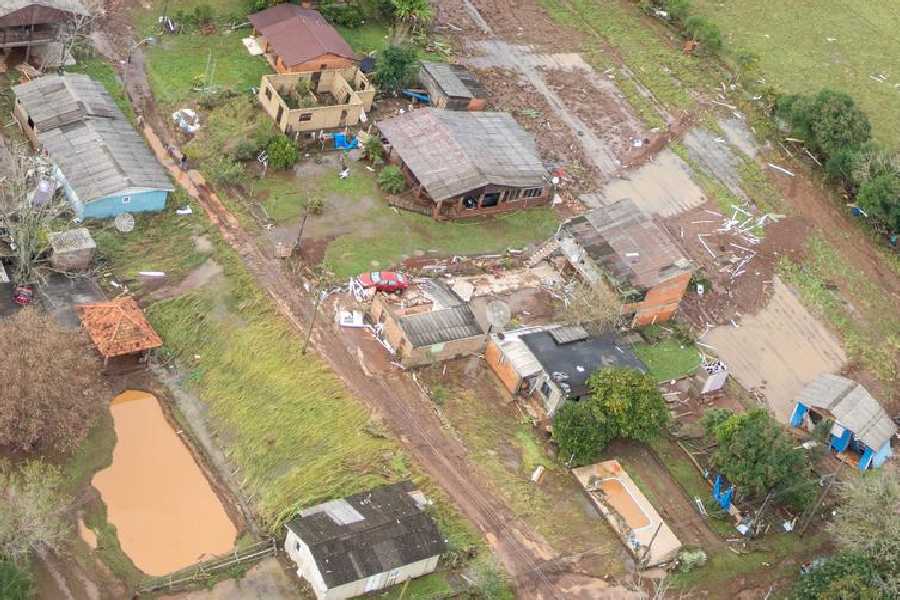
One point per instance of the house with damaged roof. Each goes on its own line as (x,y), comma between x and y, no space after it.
(860,429)
(552,364)
(621,246)
(452,87)
(101,163)
(465,164)
(365,542)
(36,25)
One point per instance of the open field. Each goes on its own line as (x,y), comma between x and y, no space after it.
(668,359)
(806,45)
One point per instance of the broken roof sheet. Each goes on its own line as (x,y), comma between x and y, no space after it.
(368,533)
(454,80)
(628,244)
(852,406)
(439,326)
(297,34)
(118,327)
(517,353)
(574,362)
(452,153)
(53,101)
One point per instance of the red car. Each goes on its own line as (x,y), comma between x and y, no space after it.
(384,281)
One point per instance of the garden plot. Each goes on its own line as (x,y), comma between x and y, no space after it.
(777,351)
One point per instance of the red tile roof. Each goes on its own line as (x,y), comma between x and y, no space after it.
(118,327)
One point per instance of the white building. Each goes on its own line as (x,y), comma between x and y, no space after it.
(366,542)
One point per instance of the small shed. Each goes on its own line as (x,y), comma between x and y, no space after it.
(860,427)
(363,543)
(452,87)
(73,250)
(649,539)
(118,329)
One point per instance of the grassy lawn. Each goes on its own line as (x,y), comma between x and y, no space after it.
(838,45)
(159,242)
(668,359)
(870,328)
(370,37)
(408,232)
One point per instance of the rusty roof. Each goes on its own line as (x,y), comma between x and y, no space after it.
(298,35)
(628,245)
(18,13)
(118,327)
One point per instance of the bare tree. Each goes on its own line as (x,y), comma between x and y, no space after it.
(31,509)
(597,308)
(28,205)
(74,35)
(53,390)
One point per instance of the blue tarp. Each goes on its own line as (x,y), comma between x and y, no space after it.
(722,497)
(423,98)
(799,412)
(840,443)
(342,143)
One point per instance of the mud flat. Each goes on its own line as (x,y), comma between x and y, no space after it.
(166,514)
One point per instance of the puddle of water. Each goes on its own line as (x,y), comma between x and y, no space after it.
(87,534)
(166,514)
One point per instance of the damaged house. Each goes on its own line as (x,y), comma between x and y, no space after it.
(621,246)
(363,543)
(102,164)
(428,324)
(553,364)
(37,26)
(314,101)
(861,430)
(452,87)
(296,39)
(465,164)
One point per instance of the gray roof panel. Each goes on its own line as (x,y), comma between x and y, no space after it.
(852,406)
(439,326)
(53,101)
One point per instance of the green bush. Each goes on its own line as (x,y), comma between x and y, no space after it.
(245,151)
(880,198)
(392,180)
(827,122)
(705,32)
(225,171)
(396,67)
(374,150)
(282,153)
(678,9)
(345,15)
(845,576)
(15,584)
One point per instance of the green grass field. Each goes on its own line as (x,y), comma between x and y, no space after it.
(805,45)
(668,359)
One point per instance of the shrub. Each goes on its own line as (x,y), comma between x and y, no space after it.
(880,198)
(840,577)
(374,150)
(346,15)
(827,122)
(15,584)
(395,67)
(245,151)
(704,31)
(678,9)
(203,14)
(33,508)
(392,180)
(225,171)
(282,152)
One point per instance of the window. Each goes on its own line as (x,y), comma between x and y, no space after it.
(512,194)
(298,546)
(306,117)
(268,92)
(470,202)
(126,199)
(492,199)
(545,389)
(533,192)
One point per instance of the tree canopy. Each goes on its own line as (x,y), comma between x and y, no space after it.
(827,122)
(757,455)
(623,403)
(395,67)
(842,577)
(53,389)
(33,506)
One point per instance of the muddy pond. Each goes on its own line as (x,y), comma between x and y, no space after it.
(165,512)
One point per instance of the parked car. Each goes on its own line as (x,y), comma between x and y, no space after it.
(384,281)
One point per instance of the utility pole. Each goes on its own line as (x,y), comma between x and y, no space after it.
(299,240)
(809,516)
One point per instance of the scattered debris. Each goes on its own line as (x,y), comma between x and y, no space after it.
(782,169)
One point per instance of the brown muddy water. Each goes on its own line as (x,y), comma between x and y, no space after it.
(165,512)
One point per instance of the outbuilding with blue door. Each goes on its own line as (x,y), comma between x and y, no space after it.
(100,162)
(858,425)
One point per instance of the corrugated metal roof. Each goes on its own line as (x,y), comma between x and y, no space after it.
(628,244)
(53,101)
(438,326)
(454,80)
(852,406)
(452,152)
(104,157)
(37,11)
(298,34)
(517,353)
(89,139)
(368,533)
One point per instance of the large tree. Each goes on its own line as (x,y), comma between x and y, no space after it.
(395,67)
(52,389)
(32,507)
(624,403)
(846,576)
(828,122)
(756,454)
(867,521)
